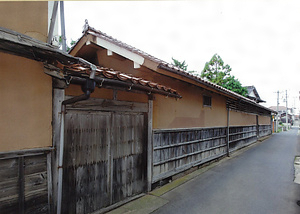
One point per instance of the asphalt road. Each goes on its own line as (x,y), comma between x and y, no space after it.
(258,181)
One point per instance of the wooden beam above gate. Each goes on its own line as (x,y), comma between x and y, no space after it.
(96,104)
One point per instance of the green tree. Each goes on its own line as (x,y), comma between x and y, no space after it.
(183,66)
(234,85)
(217,72)
(69,46)
(179,64)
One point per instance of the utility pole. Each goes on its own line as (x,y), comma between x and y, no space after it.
(62,23)
(277,112)
(52,23)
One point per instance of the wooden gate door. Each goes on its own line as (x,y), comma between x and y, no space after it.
(104,158)
(129,155)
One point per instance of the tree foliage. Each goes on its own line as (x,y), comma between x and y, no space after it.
(217,72)
(234,85)
(179,64)
(69,46)
(183,66)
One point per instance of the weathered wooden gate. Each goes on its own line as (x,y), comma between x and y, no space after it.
(105,154)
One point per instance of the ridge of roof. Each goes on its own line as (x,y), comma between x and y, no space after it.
(115,41)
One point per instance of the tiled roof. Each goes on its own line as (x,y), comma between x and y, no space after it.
(163,64)
(61,64)
(169,67)
(116,75)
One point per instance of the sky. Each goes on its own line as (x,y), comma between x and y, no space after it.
(259,39)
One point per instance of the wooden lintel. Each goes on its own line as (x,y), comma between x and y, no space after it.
(97,104)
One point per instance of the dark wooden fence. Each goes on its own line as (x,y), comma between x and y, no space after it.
(241,136)
(24,177)
(265,130)
(176,150)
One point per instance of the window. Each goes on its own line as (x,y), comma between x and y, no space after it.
(206,101)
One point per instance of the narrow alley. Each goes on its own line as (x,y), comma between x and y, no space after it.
(260,180)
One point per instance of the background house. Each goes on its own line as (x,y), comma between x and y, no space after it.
(282,114)
(253,94)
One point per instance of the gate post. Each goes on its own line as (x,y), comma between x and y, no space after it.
(57,99)
(149,145)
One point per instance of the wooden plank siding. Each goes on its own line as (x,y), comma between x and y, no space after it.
(176,150)
(241,136)
(265,130)
(105,154)
(24,182)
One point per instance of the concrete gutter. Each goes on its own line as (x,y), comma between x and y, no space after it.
(153,200)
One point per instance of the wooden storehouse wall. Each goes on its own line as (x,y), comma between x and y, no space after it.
(26,17)
(26,110)
(176,150)
(265,125)
(26,136)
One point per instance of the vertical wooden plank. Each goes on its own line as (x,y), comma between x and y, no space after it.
(149,145)
(36,184)
(9,185)
(21,185)
(111,133)
(49,178)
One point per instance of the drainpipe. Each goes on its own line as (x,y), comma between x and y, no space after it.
(88,87)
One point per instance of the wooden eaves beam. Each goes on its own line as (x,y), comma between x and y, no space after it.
(102,82)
